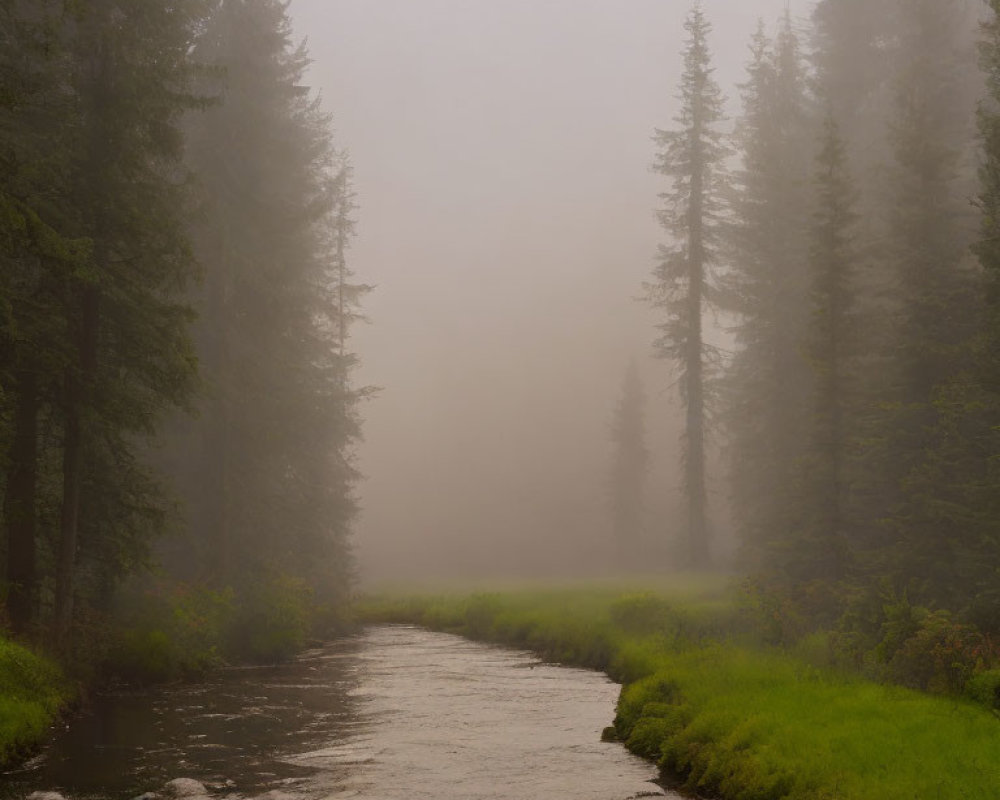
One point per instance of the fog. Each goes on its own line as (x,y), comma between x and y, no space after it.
(502,156)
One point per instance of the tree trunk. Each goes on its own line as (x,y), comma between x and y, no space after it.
(20,506)
(77,396)
(694,466)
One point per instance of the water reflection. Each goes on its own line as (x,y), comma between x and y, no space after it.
(391,714)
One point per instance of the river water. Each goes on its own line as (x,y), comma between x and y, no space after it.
(395,713)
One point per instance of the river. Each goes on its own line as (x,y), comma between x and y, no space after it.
(394,713)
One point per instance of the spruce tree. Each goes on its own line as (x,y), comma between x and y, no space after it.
(33,254)
(268,471)
(823,547)
(768,381)
(629,467)
(686,281)
(937,289)
(131,357)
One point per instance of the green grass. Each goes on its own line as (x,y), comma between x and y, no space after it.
(32,693)
(725,716)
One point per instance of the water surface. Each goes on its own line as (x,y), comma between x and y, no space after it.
(395,713)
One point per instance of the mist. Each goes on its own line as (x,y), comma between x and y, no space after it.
(503,168)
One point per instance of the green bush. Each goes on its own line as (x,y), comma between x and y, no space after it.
(169,631)
(644,613)
(145,656)
(984,688)
(940,655)
(273,621)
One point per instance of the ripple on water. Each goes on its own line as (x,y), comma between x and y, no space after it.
(397,713)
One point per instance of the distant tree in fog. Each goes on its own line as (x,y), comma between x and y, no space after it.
(630,465)
(686,282)
(982,485)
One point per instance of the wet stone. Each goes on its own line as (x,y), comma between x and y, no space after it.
(185,787)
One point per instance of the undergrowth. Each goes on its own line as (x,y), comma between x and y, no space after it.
(33,691)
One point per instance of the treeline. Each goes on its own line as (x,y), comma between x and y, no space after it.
(175,307)
(856,246)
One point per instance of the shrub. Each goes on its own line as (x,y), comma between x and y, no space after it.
(940,656)
(273,620)
(145,656)
(643,614)
(170,631)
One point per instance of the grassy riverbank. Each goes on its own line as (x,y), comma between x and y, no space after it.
(723,714)
(33,692)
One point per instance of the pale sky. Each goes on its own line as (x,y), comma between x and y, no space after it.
(502,153)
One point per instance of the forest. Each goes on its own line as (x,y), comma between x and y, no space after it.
(828,295)
(181,402)
(177,414)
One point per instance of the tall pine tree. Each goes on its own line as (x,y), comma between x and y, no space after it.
(823,551)
(131,356)
(629,467)
(686,281)
(768,381)
(268,470)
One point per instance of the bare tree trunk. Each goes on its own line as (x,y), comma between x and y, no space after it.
(694,457)
(20,506)
(77,397)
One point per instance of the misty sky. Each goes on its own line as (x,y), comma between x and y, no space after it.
(502,158)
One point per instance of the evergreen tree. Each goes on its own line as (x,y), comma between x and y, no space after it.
(686,281)
(769,380)
(938,291)
(630,466)
(95,331)
(131,356)
(268,466)
(823,551)
(33,256)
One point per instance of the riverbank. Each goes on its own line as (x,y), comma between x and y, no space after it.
(723,715)
(33,694)
(169,632)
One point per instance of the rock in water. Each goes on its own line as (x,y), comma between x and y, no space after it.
(45,796)
(185,787)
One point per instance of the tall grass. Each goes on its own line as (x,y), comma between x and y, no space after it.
(724,716)
(32,693)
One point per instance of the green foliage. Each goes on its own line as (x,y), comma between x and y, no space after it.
(145,656)
(939,655)
(984,688)
(273,620)
(644,613)
(170,631)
